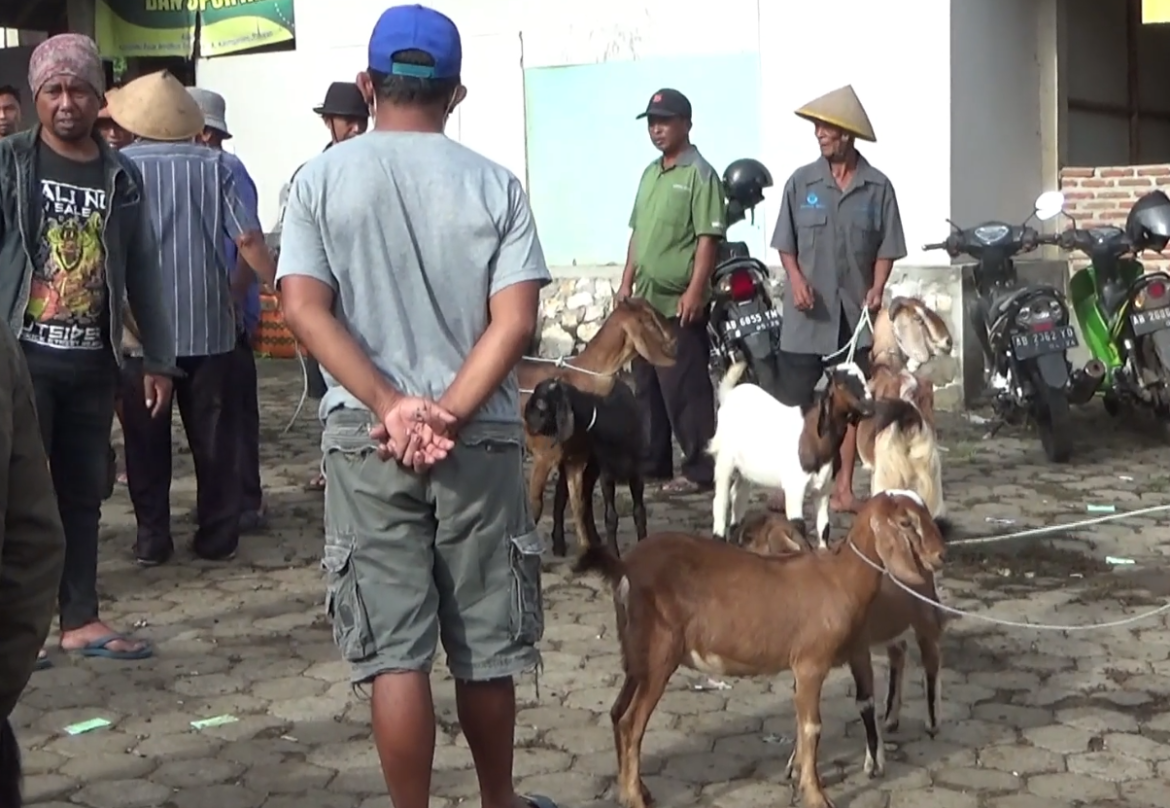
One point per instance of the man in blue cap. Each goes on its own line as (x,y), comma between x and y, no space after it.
(411,269)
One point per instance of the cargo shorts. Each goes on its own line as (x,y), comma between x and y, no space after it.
(450,555)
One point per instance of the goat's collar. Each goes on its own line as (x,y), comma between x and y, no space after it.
(592,420)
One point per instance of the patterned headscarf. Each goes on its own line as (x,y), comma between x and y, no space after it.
(66,55)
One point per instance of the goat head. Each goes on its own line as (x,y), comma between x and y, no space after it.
(549,411)
(907,539)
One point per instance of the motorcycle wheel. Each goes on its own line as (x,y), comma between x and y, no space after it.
(1052,420)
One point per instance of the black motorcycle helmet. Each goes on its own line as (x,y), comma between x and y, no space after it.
(1148,223)
(744,182)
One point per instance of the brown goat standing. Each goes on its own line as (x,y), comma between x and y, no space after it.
(633,328)
(684,600)
(892,613)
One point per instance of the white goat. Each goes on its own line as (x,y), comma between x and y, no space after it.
(759,440)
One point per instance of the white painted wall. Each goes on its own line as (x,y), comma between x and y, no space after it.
(897,54)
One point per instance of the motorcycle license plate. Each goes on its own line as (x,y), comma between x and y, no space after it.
(1149,321)
(1037,343)
(742,325)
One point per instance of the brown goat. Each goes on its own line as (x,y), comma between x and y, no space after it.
(908,333)
(633,328)
(892,613)
(682,600)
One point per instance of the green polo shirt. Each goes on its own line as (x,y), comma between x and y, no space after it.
(674,207)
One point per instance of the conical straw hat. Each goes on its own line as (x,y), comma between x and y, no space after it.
(156,107)
(840,108)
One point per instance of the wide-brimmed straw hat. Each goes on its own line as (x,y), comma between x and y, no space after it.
(156,107)
(841,109)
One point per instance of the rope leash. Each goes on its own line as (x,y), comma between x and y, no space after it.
(1040,531)
(850,347)
(561,362)
(304,393)
(1165,607)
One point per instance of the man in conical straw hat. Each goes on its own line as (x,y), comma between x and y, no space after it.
(193,206)
(65,291)
(838,235)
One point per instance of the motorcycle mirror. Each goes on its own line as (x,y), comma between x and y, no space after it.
(954,226)
(1049,205)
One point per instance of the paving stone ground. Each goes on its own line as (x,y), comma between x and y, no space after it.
(1031,719)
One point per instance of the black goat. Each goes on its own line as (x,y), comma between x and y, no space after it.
(596,437)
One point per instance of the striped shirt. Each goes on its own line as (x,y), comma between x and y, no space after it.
(191,197)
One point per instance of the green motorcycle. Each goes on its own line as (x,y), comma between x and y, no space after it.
(1123,310)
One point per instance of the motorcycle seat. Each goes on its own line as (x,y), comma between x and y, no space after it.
(1015,296)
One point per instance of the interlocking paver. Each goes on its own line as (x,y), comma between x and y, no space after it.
(1030,719)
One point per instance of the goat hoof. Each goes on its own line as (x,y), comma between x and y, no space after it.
(891,725)
(932,731)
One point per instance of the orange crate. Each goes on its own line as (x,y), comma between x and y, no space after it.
(272,335)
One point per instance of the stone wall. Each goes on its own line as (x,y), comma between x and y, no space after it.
(572,310)
(1103,196)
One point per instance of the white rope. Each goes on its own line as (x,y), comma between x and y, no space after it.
(850,347)
(1165,607)
(1040,531)
(304,392)
(563,362)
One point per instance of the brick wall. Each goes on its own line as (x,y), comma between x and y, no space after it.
(1103,196)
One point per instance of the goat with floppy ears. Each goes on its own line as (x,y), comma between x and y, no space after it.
(595,436)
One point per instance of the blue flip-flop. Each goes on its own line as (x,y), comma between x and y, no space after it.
(43,663)
(99,648)
(538,801)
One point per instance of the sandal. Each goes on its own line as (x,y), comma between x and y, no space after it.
(101,648)
(317,483)
(43,661)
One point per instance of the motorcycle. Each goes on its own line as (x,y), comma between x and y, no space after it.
(1024,330)
(1124,314)
(743,323)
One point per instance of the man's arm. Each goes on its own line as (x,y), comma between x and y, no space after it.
(242,226)
(32,544)
(518,272)
(144,294)
(709,217)
(243,273)
(308,289)
(893,245)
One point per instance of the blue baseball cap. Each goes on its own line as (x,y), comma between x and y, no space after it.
(403,28)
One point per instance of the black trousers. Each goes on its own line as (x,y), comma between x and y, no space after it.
(248,402)
(678,399)
(75,409)
(207,406)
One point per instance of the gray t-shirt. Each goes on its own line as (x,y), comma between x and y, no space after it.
(414,232)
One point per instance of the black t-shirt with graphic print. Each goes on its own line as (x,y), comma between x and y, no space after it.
(68,314)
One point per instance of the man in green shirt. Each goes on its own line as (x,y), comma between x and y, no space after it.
(679,218)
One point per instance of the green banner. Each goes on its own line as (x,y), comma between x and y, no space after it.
(231,26)
(167,27)
(130,28)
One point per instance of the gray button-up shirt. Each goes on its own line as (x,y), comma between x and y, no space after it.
(193,203)
(836,236)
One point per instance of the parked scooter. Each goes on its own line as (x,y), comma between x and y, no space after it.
(1124,311)
(1024,330)
(742,322)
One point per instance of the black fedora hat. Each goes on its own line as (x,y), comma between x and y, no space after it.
(343,98)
